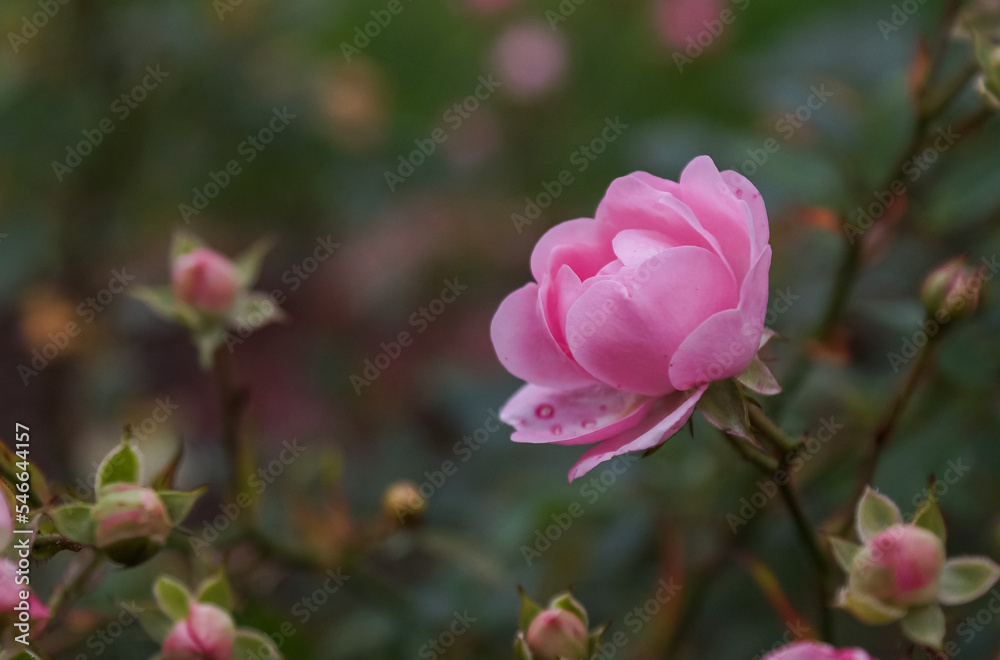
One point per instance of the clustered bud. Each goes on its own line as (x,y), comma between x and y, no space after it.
(208,633)
(951,290)
(205,279)
(131,523)
(557,632)
(901,566)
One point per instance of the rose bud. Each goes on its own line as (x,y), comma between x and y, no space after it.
(814,651)
(901,566)
(208,633)
(951,290)
(131,523)
(403,504)
(557,634)
(205,279)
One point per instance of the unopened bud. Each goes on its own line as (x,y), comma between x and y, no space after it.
(403,503)
(901,566)
(208,633)
(952,289)
(205,279)
(131,523)
(557,634)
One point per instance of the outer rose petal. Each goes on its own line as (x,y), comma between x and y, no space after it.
(584,244)
(627,337)
(718,210)
(748,193)
(572,417)
(725,344)
(665,418)
(526,347)
(814,651)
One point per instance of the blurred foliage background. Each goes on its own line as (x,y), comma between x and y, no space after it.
(565,69)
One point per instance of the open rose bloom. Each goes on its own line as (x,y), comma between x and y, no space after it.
(633,313)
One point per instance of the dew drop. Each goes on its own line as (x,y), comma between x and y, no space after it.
(544,411)
(739,193)
(557,429)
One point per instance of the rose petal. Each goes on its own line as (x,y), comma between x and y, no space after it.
(526,347)
(667,415)
(724,345)
(583,244)
(626,337)
(572,417)
(815,651)
(716,207)
(634,246)
(749,195)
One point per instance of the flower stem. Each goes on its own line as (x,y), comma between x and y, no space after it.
(771,431)
(232,401)
(74,585)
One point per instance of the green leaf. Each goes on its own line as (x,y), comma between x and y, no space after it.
(184,242)
(868,609)
(876,513)
(928,516)
(121,465)
(74,522)
(844,552)
(521,649)
(925,626)
(965,579)
(172,597)
(252,645)
(759,378)
(179,502)
(216,591)
(529,610)
(248,264)
(159,299)
(567,602)
(156,624)
(724,406)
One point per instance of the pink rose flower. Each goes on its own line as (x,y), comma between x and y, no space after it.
(205,279)
(10,597)
(814,651)
(633,313)
(557,634)
(208,633)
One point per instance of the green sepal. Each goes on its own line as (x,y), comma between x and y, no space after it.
(179,502)
(74,521)
(567,602)
(249,263)
(529,610)
(965,579)
(215,590)
(876,513)
(928,516)
(121,465)
(844,552)
(725,408)
(250,645)
(925,626)
(172,597)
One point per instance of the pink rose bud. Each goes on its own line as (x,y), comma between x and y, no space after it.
(557,634)
(205,279)
(633,313)
(814,651)
(952,290)
(208,633)
(901,566)
(131,523)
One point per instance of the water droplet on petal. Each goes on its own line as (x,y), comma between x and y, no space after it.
(556,429)
(739,193)
(544,411)
(589,424)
